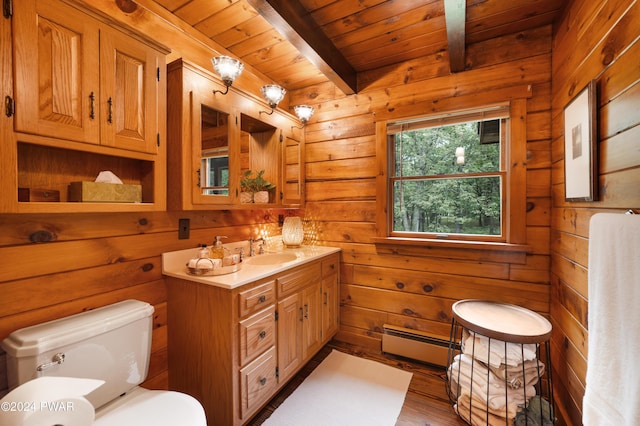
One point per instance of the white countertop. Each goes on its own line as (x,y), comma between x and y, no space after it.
(174,264)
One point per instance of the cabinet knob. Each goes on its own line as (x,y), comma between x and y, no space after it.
(263,381)
(263,334)
(262,299)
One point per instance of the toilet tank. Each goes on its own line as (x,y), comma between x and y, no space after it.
(111,343)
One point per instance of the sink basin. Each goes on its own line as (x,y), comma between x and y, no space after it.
(271,259)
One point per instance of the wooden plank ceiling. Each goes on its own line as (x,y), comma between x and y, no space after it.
(298,43)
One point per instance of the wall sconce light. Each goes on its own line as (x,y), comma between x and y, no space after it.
(460,155)
(304,113)
(228,69)
(273,94)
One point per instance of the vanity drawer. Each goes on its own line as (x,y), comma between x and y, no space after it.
(257,334)
(257,298)
(257,383)
(298,279)
(330,265)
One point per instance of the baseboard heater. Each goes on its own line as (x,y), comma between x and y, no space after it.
(414,344)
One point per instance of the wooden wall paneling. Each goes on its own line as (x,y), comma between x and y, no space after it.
(152,292)
(539,154)
(355,211)
(593,41)
(351,168)
(468,268)
(348,232)
(340,149)
(574,302)
(572,247)
(536,270)
(508,48)
(437,329)
(620,151)
(450,286)
(34,292)
(580,40)
(425,307)
(336,190)
(538,211)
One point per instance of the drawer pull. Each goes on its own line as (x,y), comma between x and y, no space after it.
(263,381)
(92,105)
(110,115)
(263,334)
(262,299)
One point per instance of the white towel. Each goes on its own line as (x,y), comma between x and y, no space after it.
(494,352)
(612,394)
(470,377)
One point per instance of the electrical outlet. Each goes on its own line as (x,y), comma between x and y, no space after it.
(183,228)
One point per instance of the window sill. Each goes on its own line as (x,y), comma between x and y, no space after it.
(478,250)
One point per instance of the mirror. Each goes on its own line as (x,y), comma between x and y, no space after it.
(214,175)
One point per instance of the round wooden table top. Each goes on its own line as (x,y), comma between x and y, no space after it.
(506,322)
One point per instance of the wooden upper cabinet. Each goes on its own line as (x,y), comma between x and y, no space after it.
(78,79)
(88,95)
(215,139)
(129,73)
(57,74)
(292,168)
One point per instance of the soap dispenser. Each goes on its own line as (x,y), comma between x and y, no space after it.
(203,253)
(217,250)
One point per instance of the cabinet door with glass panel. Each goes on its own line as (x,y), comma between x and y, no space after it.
(203,152)
(214,159)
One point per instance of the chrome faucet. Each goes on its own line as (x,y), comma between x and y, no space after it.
(252,248)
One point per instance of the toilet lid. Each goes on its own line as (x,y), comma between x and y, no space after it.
(142,407)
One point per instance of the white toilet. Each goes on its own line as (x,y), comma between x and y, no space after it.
(112,343)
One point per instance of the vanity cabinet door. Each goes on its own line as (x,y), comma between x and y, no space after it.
(312,320)
(330,298)
(290,322)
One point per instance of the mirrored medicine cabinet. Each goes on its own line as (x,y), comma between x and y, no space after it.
(214,139)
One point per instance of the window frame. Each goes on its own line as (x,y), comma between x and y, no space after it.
(514,204)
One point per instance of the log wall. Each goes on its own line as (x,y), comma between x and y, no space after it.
(415,288)
(593,41)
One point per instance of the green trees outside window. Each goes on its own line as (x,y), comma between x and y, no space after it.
(447,179)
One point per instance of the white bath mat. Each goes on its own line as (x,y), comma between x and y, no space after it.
(345,390)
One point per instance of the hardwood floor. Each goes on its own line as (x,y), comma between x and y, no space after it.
(426,403)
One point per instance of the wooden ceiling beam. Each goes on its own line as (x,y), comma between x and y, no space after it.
(292,20)
(455,17)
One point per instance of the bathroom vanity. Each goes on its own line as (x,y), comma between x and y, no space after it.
(236,339)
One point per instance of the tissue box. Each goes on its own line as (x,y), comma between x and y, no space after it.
(100,192)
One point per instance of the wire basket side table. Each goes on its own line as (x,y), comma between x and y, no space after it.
(499,365)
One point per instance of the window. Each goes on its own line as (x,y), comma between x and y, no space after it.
(455,176)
